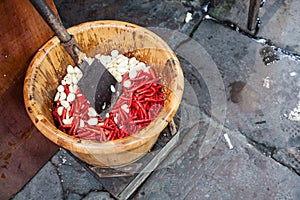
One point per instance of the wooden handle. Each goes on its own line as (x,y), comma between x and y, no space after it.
(60,31)
(45,11)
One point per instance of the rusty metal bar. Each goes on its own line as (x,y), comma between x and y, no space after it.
(253,14)
(45,11)
(67,41)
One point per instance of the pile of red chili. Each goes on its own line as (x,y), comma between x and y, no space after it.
(139,104)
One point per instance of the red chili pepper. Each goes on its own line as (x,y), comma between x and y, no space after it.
(142,109)
(93,129)
(122,115)
(152,100)
(152,73)
(74,126)
(64,113)
(154,80)
(70,113)
(106,127)
(85,110)
(141,121)
(66,126)
(146,91)
(83,134)
(110,136)
(139,77)
(91,137)
(66,88)
(123,98)
(57,117)
(75,108)
(106,121)
(125,77)
(144,98)
(141,88)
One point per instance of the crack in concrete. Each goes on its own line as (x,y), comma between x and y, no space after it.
(204,15)
(59,176)
(201,12)
(286,165)
(268,151)
(263,148)
(261,40)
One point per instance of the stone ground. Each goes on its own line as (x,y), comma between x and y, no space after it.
(229,91)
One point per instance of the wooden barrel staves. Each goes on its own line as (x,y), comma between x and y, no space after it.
(49,66)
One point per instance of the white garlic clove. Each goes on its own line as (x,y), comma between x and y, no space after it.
(92,112)
(81,123)
(60,110)
(70,69)
(114,53)
(67,121)
(65,103)
(60,88)
(127,83)
(92,121)
(132,73)
(71,97)
(63,96)
(57,95)
(74,80)
(63,82)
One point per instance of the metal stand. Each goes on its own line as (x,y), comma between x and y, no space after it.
(124,181)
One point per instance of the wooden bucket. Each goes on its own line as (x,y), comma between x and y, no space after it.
(49,66)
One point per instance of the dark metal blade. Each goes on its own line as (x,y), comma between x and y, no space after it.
(96,83)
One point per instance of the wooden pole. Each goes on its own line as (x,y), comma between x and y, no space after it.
(253,14)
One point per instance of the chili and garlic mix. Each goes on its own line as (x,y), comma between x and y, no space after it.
(140,102)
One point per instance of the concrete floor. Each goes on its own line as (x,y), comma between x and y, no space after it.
(229,91)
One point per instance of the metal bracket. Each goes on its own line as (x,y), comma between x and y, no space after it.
(74,50)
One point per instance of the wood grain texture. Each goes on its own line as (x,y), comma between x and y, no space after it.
(45,73)
(254,6)
(22,33)
(23,150)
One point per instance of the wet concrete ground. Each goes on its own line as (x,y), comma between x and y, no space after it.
(229,91)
